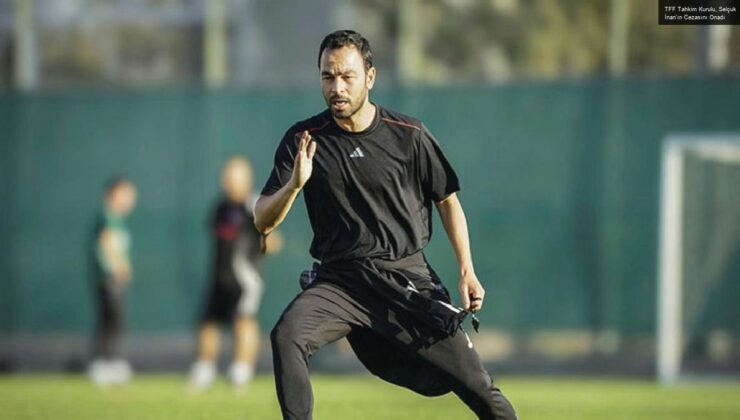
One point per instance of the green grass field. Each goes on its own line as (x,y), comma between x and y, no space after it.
(359,398)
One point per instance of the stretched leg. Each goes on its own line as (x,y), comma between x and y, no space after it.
(318,316)
(456,361)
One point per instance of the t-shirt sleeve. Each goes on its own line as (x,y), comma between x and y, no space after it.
(438,179)
(283,167)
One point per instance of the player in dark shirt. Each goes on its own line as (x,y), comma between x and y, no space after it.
(370,177)
(236,286)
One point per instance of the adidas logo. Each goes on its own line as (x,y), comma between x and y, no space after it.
(357,153)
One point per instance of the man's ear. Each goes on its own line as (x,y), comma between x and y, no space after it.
(370,78)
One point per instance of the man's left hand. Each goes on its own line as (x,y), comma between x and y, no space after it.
(471,291)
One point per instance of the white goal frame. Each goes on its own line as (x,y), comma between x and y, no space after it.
(670,339)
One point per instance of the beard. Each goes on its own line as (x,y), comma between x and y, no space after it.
(349,110)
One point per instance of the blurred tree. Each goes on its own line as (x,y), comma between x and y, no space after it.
(105,42)
(490,40)
(160,42)
(6,59)
(659,49)
(734,53)
(566,38)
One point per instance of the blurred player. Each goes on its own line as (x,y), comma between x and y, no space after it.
(236,287)
(112,275)
(370,177)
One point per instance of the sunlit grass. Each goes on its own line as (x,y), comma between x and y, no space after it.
(359,397)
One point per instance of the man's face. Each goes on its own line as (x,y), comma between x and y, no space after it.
(344,81)
(236,180)
(123,199)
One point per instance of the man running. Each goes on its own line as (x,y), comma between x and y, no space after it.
(370,177)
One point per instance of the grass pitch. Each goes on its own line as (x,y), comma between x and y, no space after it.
(156,397)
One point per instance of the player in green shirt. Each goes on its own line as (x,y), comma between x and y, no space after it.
(112,275)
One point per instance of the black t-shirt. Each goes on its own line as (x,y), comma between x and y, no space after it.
(235,236)
(371,192)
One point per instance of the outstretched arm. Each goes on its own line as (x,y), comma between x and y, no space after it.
(271,210)
(456,226)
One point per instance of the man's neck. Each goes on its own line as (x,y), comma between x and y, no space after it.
(360,121)
(238,199)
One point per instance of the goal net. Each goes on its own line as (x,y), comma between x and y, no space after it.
(699,273)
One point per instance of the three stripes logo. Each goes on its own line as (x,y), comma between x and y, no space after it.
(357,153)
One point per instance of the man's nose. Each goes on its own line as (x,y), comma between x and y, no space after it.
(338,85)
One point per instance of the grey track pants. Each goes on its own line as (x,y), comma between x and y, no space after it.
(325,313)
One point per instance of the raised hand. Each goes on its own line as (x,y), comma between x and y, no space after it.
(303,165)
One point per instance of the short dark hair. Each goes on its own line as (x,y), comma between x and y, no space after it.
(344,38)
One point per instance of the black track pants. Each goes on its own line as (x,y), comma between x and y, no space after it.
(325,313)
(109,331)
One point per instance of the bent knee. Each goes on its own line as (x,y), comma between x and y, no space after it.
(279,334)
(285,334)
(479,382)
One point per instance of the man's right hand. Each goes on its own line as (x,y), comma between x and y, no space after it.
(303,165)
(271,210)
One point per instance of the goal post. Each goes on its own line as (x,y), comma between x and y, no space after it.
(671,337)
